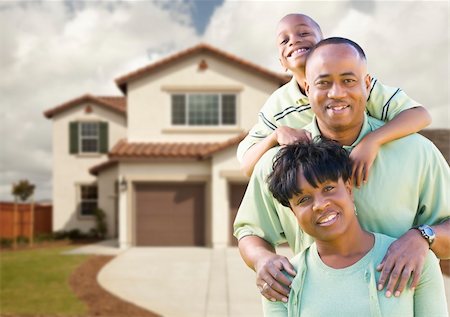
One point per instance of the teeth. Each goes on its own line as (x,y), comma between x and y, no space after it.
(337,108)
(327,218)
(298,51)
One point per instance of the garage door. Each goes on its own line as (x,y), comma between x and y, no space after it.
(236,191)
(170,214)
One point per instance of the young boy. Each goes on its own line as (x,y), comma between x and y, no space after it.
(287,110)
(336,275)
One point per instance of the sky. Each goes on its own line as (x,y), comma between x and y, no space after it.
(54,51)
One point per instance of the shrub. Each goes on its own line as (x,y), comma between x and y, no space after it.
(101,228)
(5,242)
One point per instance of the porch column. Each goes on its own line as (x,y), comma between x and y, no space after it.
(124,243)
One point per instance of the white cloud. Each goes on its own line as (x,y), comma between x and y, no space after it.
(56,52)
(407,42)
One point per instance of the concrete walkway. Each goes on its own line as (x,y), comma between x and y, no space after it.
(184,282)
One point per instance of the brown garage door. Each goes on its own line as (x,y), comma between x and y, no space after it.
(236,191)
(170,214)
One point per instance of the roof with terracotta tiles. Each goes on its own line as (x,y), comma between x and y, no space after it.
(201,48)
(176,150)
(114,103)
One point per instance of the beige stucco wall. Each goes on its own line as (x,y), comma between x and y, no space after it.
(149,101)
(71,170)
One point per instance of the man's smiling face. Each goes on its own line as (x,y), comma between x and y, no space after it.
(337,85)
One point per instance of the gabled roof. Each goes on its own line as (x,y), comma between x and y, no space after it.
(114,103)
(201,48)
(175,150)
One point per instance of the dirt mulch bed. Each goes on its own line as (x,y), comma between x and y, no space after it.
(101,303)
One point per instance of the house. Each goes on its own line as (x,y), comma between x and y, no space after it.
(161,159)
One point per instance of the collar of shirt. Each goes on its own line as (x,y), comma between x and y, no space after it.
(366,128)
(294,90)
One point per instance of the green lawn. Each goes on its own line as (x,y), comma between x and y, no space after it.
(36,282)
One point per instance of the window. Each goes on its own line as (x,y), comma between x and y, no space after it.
(203,109)
(89,196)
(89,137)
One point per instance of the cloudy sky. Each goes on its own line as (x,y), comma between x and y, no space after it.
(53,51)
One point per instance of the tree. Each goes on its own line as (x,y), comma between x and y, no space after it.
(22,191)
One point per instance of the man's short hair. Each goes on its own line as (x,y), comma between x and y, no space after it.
(337,40)
(319,160)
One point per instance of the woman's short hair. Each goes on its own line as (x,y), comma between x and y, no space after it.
(320,160)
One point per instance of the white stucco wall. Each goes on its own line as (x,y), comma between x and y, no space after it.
(149,99)
(71,170)
(107,198)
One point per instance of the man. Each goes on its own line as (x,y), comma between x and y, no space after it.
(407,187)
(287,111)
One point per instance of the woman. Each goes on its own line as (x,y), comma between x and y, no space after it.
(336,275)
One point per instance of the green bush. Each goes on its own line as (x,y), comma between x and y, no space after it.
(23,240)
(101,228)
(5,242)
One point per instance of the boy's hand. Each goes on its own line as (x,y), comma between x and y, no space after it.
(405,257)
(271,281)
(286,135)
(363,156)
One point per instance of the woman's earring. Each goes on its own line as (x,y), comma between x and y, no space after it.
(354,207)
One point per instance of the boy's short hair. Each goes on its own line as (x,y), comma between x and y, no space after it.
(320,160)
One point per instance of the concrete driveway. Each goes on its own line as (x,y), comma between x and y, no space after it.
(184,282)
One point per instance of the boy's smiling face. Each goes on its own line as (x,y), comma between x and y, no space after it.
(296,34)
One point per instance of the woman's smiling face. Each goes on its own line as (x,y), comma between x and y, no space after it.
(326,211)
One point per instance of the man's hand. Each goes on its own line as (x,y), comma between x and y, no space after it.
(363,156)
(405,257)
(271,281)
(286,135)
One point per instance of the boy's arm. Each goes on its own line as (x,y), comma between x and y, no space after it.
(406,122)
(402,115)
(281,136)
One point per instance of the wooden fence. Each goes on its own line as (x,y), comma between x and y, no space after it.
(42,220)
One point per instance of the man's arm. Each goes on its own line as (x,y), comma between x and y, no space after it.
(260,256)
(406,257)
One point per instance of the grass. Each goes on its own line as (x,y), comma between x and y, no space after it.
(35,282)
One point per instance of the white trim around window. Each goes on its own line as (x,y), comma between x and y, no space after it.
(87,195)
(202,110)
(89,137)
